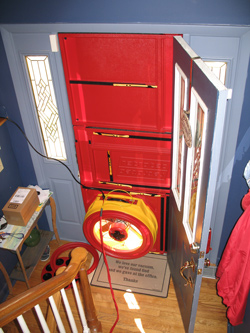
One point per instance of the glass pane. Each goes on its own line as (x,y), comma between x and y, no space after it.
(180,105)
(196,164)
(219,68)
(180,138)
(195,160)
(46,106)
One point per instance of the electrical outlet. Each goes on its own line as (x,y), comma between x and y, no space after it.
(1,165)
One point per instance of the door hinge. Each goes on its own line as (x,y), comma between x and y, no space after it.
(194,247)
(202,254)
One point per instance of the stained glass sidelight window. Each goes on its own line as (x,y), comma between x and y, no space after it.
(46,106)
(219,68)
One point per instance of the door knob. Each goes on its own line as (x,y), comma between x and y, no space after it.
(188,264)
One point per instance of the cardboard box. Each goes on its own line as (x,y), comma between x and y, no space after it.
(21,206)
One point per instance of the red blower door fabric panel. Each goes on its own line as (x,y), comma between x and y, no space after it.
(118,107)
(126,159)
(120,89)
(141,66)
(112,57)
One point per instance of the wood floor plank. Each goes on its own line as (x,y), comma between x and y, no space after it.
(155,314)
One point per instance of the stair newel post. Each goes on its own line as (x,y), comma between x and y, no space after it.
(89,307)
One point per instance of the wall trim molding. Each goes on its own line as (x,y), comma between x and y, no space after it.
(205,30)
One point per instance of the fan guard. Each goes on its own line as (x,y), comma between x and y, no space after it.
(129,227)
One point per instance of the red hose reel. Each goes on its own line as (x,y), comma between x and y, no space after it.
(55,262)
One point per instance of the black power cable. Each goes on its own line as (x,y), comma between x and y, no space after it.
(52,158)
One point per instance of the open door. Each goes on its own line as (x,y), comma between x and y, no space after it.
(199,111)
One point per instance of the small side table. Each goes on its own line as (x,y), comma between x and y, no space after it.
(31,255)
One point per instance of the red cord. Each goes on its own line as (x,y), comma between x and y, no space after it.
(109,277)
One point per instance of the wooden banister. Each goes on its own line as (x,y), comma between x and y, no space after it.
(50,316)
(93,323)
(17,305)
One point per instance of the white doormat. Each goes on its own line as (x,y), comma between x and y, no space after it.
(149,275)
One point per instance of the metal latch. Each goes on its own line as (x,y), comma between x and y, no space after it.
(194,247)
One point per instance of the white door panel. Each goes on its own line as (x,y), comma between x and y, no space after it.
(50,174)
(189,222)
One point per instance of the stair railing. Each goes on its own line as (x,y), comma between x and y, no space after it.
(53,290)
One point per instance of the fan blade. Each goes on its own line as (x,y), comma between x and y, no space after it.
(135,231)
(106,226)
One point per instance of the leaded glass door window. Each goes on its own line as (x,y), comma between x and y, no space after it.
(181,106)
(198,114)
(46,105)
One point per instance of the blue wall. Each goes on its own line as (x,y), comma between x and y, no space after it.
(238,186)
(8,104)
(10,179)
(126,11)
(18,169)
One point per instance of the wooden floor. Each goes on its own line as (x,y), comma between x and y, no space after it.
(155,314)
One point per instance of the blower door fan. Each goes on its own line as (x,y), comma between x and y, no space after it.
(129,227)
(117,231)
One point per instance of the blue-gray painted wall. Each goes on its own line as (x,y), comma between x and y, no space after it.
(10,179)
(126,11)
(18,169)
(238,186)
